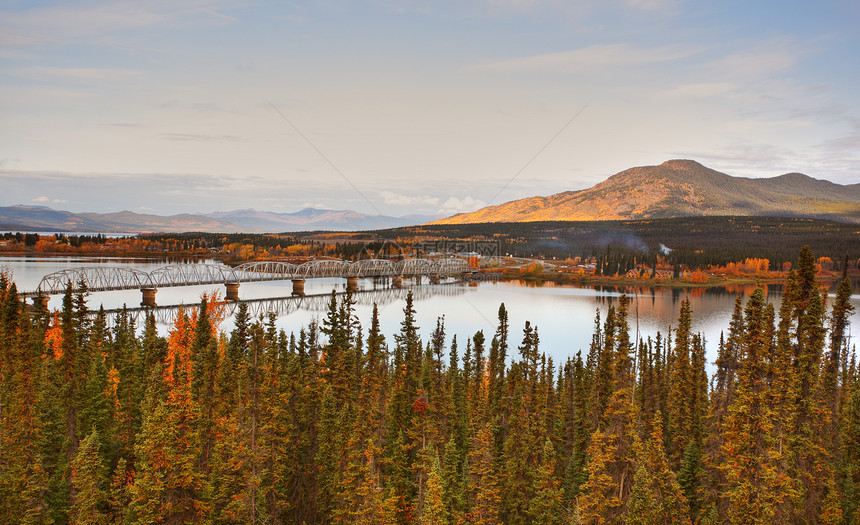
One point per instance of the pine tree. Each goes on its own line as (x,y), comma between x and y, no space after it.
(119,496)
(519,451)
(849,467)
(484,493)
(578,433)
(722,396)
(169,486)
(839,319)
(755,489)
(546,508)
(89,504)
(611,453)
(497,362)
(54,440)
(679,419)
(656,494)
(23,480)
(434,512)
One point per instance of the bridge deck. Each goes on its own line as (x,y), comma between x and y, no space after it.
(110,278)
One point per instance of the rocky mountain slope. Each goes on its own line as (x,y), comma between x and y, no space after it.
(681,188)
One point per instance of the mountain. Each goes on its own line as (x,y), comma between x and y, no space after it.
(314,219)
(42,218)
(128,221)
(680,188)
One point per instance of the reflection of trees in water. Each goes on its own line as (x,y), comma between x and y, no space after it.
(282,306)
(745,289)
(661,305)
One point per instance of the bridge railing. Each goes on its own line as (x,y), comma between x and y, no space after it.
(190,274)
(373,268)
(323,268)
(106,278)
(265,271)
(96,278)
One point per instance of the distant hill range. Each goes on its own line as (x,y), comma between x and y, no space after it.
(314,219)
(42,218)
(680,188)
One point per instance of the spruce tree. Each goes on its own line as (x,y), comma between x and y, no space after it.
(90,501)
(754,490)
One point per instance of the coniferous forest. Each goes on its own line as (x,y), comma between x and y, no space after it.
(340,423)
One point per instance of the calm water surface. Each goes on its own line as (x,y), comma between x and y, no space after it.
(564,315)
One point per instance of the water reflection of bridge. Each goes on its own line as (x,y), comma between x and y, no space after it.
(110,278)
(281,306)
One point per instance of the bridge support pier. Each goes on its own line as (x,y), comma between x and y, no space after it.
(148,296)
(397,281)
(435,278)
(41,300)
(299,287)
(232,291)
(352,284)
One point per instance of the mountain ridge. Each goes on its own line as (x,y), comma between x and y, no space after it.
(42,218)
(680,188)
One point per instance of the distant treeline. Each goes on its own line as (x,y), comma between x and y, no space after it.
(615,246)
(217,240)
(693,241)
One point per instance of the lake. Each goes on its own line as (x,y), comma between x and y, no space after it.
(564,315)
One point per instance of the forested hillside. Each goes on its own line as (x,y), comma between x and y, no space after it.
(340,423)
(692,241)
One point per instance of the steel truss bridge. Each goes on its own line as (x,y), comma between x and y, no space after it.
(280,306)
(110,278)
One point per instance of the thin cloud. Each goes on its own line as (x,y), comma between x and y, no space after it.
(587,58)
(515,4)
(77,75)
(123,124)
(294,18)
(191,137)
(222,16)
(846,145)
(397,199)
(316,206)
(654,5)
(764,60)
(56,23)
(45,199)
(745,159)
(450,206)
(701,90)
(454,205)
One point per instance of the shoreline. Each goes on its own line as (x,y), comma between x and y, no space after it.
(540,279)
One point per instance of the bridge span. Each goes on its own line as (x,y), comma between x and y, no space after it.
(260,308)
(110,278)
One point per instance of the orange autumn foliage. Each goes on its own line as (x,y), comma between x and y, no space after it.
(54,336)
(181,334)
(216,308)
(179,340)
(698,276)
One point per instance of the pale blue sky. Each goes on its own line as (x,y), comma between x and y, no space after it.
(166,106)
